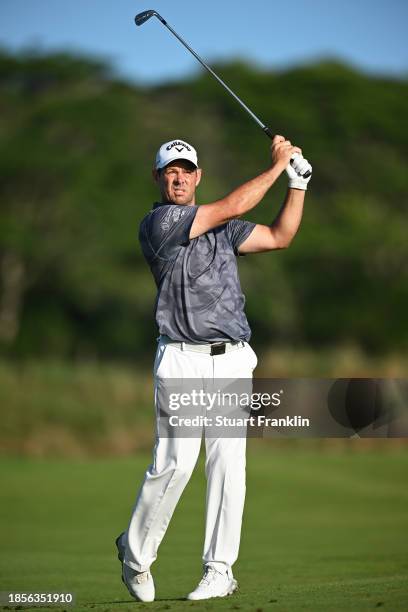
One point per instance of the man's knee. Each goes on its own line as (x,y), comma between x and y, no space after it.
(223,464)
(183,472)
(178,468)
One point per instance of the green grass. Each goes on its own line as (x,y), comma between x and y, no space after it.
(323,530)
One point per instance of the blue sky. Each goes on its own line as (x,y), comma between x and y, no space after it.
(370,34)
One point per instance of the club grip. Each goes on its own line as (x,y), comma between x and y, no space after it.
(268,132)
(306,174)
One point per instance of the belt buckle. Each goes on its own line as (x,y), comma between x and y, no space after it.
(218,348)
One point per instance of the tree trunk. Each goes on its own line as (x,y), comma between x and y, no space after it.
(12,278)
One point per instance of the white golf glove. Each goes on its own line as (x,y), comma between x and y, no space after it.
(295,170)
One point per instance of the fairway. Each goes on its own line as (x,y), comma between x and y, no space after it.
(323,530)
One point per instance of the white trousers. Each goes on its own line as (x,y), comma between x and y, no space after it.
(174,460)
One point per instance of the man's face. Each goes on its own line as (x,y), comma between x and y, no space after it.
(178,181)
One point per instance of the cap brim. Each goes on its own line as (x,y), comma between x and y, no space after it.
(172,159)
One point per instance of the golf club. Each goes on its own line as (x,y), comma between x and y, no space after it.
(142,17)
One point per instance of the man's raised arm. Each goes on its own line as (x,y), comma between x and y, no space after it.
(281,232)
(248,195)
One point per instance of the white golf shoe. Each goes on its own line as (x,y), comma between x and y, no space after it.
(214,584)
(139,584)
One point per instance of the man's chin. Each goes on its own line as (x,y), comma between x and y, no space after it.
(181,199)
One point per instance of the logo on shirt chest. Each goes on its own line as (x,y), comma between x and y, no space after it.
(172,216)
(177,214)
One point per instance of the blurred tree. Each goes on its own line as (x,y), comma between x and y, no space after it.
(76,153)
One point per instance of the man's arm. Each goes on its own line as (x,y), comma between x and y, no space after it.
(248,195)
(281,232)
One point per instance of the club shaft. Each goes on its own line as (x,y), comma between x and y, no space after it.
(202,62)
(142,17)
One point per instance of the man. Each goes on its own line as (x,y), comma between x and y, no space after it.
(204,334)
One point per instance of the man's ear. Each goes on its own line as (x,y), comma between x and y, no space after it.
(199,175)
(155,175)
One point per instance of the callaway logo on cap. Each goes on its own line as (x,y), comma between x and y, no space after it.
(175,149)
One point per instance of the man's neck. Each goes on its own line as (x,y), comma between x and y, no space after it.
(177,204)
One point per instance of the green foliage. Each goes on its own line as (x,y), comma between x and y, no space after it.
(64,409)
(75,158)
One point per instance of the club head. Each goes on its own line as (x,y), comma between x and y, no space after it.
(144,16)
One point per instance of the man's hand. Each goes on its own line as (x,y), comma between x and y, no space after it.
(282,150)
(286,156)
(295,170)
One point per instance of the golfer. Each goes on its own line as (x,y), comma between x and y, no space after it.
(204,334)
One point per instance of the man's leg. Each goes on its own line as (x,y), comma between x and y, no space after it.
(225,471)
(173,462)
(225,468)
(165,480)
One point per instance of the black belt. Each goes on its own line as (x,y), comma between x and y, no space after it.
(218,348)
(209,348)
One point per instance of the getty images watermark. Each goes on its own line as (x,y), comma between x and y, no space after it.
(235,403)
(339,408)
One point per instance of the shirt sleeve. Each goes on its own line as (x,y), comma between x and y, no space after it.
(238,231)
(166,229)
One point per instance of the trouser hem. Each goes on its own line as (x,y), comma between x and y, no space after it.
(136,566)
(220,566)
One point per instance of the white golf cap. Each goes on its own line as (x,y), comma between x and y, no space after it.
(175,149)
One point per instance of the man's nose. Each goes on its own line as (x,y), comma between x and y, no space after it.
(179,177)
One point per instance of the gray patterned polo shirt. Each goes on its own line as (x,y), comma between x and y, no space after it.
(199,296)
